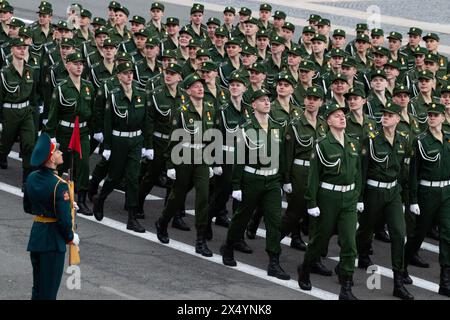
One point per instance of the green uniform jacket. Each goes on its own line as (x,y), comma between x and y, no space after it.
(221,97)
(154,31)
(48,196)
(421,107)
(253,139)
(382,161)
(300,139)
(358,131)
(124,115)
(430,160)
(279,114)
(216,56)
(99,74)
(203,33)
(117,37)
(374,105)
(144,72)
(67,103)
(335,164)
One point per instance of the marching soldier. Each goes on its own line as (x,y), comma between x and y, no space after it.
(47,197)
(73,98)
(43,33)
(430,190)
(414,38)
(257,183)
(378,95)
(233,48)
(265,10)
(6,11)
(119,32)
(432,44)
(189,169)
(229,13)
(359,124)
(126,121)
(334,185)
(217,51)
(149,67)
(173,29)
(198,29)
(18,97)
(425,96)
(383,162)
(155,26)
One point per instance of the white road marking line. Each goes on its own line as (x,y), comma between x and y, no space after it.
(185,248)
(119,293)
(417,282)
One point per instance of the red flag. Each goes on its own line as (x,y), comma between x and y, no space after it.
(75,143)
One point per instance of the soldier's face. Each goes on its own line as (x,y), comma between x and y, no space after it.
(5,16)
(219,41)
(432,44)
(337,120)
(336,62)
(284,89)
(243,18)
(237,89)
(66,34)
(378,84)
(44,19)
(66,50)
(233,50)
(135,27)
(172,29)
(391,73)
(262,105)
(431,66)
(85,21)
(19,51)
(151,52)
(193,52)
(306,75)
(339,42)
(379,60)
(212,30)
(75,68)
(13,32)
(306,37)
(109,52)
(402,99)
(100,39)
(111,14)
(125,77)
(294,60)
(257,77)
(445,99)
(264,15)
(361,46)
(394,45)
(209,76)
(278,23)
(277,48)
(339,87)
(197,18)
(248,59)
(262,43)
(156,14)
(228,17)
(425,85)
(166,61)
(312,103)
(121,18)
(323,30)
(435,120)
(184,39)
(196,91)
(419,59)
(414,40)
(250,29)
(318,46)
(355,102)
(288,34)
(140,42)
(390,120)
(377,41)
(349,72)
(57,157)
(171,78)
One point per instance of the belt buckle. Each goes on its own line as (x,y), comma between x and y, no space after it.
(345,188)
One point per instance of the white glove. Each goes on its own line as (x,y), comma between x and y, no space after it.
(1,127)
(414,208)
(287,187)
(106,154)
(98,136)
(171,174)
(211,172)
(76,239)
(237,195)
(44,121)
(142,152)
(75,206)
(314,212)
(149,154)
(360,207)
(53,140)
(404,209)
(218,171)
(41,109)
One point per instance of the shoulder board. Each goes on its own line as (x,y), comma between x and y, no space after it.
(95,65)
(86,81)
(422,134)
(224,106)
(114,90)
(55,65)
(320,139)
(62,82)
(139,89)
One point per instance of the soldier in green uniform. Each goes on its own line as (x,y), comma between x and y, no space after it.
(251,28)
(334,185)
(173,28)
(361,28)
(231,114)
(249,56)
(279,18)
(239,30)
(393,70)
(5,49)
(265,11)
(95,54)
(430,190)
(229,13)
(337,58)
(217,51)
(126,122)
(414,37)
(149,67)
(98,22)
(84,37)
(275,63)
(197,28)
(425,96)
(119,32)
(323,28)
(378,95)
(339,87)
(256,79)
(104,69)
(445,100)
(182,52)
(47,197)
(318,56)
(6,13)
(432,44)
(257,182)
(411,78)
(43,32)
(301,134)
(431,62)
(383,162)
(71,99)
(294,58)
(187,164)
(307,70)
(155,25)
(282,109)
(377,39)
(18,97)
(305,40)
(338,39)
(395,42)
(288,34)
(212,25)
(363,60)
(137,23)
(136,45)
(190,66)
(349,69)
(359,124)
(233,48)
(215,94)
(113,5)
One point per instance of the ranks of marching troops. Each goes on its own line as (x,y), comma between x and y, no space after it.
(360,128)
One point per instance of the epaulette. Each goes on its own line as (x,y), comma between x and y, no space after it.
(86,81)
(422,135)
(223,106)
(140,89)
(320,139)
(95,65)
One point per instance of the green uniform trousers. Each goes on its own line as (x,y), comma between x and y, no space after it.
(221,191)
(336,209)
(297,208)
(384,204)
(153,170)
(80,166)
(124,162)
(188,176)
(18,123)
(434,204)
(48,268)
(264,193)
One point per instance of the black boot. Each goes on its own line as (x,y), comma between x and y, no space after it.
(319,268)
(201,246)
(346,288)
(337,270)
(444,284)
(303,277)
(274,269)
(364,261)
(98,207)
(433,233)
(223,221)
(226,250)
(406,278)
(399,288)
(82,206)
(3,163)
(133,224)
(140,209)
(383,236)
(242,246)
(297,242)
(178,223)
(92,190)
(161,231)
(208,231)
(417,261)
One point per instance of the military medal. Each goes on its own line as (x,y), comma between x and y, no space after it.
(139,99)
(87,90)
(353,146)
(209,116)
(28,75)
(191,120)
